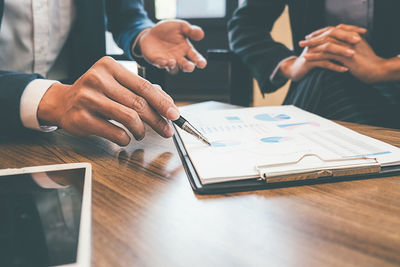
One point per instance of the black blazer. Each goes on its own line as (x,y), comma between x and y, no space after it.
(124,18)
(250,27)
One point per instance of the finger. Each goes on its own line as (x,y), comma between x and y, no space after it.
(326,64)
(103,128)
(341,35)
(329,39)
(137,107)
(186,65)
(163,92)
(172,67)
(197,58)
(157,123)
(192,31)
(345,27)
(160,63)
(172,71)
(352,28)
(322,56)
(144,88)
(318,32)
(122,114)
(333,48)
(172,63)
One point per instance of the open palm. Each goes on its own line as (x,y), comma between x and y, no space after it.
(167,45)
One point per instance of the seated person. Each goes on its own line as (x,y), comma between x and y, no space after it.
(345,64)
(64,40)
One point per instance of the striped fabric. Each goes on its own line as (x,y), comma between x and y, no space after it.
(342,97)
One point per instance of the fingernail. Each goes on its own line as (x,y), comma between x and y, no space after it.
(350,52)
(172,113)
(202,63)
(356,38)
(344,69)
(168,131)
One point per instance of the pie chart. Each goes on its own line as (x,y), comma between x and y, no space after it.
(269,117)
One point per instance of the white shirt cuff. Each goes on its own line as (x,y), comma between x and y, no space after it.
(29,105)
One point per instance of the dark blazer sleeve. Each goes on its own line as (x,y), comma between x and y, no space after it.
(250,38)
(12,86)
(126,19)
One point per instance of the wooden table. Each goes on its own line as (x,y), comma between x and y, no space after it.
(145,213)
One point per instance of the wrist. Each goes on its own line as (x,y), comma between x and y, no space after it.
(285,68)
(389,70)
(50,107)
(136,47)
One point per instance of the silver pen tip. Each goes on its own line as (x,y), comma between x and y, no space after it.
(202,138)
(193,131)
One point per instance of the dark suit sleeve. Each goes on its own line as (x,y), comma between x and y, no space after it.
(250,38)
(12,86)
(126,19)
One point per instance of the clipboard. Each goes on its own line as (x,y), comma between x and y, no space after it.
(369,168)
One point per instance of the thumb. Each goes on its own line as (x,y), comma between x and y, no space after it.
(192,31)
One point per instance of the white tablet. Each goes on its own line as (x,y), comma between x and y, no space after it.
(45,215)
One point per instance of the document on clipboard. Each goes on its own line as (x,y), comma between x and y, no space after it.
(278,144)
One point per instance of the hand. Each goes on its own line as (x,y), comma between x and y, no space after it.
(166,45)
(347,47)
(108,91)
(365,64)
(319,49)
(298,67)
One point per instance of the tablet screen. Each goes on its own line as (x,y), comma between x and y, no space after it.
(39,217)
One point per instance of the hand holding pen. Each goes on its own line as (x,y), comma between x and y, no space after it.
(187,127)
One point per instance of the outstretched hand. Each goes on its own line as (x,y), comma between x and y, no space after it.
(166,45)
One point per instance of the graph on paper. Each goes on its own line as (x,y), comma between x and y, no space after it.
(244,138)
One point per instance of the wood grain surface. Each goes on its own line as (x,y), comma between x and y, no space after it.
(145,213)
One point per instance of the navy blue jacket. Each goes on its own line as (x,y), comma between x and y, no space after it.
(250,27)
(124,18)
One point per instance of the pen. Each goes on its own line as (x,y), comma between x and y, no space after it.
(187,127)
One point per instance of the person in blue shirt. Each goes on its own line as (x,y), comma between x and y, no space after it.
(54,73)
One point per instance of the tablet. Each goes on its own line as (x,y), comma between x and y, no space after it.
(45,215)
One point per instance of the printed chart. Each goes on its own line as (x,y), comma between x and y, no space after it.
(275,139)
(225,143)
(293,126)
(270,117)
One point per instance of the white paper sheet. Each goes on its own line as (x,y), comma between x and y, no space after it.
(245,138)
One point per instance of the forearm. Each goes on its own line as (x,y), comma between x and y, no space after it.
(126,19)
(250,38)
(391,70)
(284,68)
